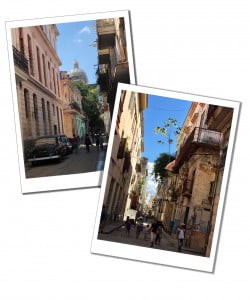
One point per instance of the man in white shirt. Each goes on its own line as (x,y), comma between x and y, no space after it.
(180,236)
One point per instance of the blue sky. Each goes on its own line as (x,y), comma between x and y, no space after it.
(74,43)
(158,111)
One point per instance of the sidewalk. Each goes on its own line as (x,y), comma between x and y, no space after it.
(112,226)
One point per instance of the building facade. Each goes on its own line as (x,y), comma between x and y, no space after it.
(112,62)
(124,189)
(191,189)
(37,81)
(75,120)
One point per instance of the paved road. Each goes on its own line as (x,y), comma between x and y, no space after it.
(119,236)
(75,163)
(168,242)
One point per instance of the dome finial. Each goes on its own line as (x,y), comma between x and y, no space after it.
(76,64)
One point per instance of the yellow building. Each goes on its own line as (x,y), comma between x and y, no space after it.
(74,116)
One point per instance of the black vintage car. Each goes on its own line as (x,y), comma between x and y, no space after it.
(50,147)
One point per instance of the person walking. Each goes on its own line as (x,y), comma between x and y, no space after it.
(87,141)
(139,228)
(181,236)
(146,232)
(97,140)
(127,226)
(74,144)
(158,235)
(154,228)
(101,141)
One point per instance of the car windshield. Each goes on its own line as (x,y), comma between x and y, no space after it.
(48,141)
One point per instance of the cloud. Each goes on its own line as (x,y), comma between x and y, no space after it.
(85,29)
(78,41)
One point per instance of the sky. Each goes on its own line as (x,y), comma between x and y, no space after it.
(75,42)
(158,111)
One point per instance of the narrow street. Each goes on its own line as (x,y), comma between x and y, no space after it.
(78,162)
(118,235)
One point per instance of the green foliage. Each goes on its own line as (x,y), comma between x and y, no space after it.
(160,163)
(170,127)
(90,105)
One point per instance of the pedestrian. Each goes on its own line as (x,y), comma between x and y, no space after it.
(97,140)
(146,232)
(158,235)
(87,141)
(101,141)
(127,226)
(139,228)
(154,228)
(181,236)
(74,143)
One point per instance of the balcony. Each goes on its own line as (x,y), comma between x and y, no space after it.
(104,56)
(20,60)
(121,150)
(199,137)
(105,26)
(103,76)
(127,162)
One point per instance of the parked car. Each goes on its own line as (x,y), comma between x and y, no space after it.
(51,147)
(66,141)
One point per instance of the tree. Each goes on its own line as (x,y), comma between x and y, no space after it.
(169,129)
(90,105)
(159,166)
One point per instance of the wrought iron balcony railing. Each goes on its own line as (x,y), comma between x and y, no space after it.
(20,60)
(198,137)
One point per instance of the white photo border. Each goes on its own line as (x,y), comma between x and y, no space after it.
(72,181)
(181,260)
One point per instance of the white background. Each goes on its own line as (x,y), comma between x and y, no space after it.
(200,47)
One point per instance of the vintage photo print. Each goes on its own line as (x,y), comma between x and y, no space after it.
(165,177)
(64,73)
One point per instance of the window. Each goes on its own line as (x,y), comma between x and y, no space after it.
(54,80)
(26,103)
(58,120)
(35,106)
(38,64)
(30,53)
(50,84)
(44,70)
(49,117)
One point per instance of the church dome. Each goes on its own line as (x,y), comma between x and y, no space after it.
(77,74)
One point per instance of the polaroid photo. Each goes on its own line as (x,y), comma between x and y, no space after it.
(165,177)
(64,74)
